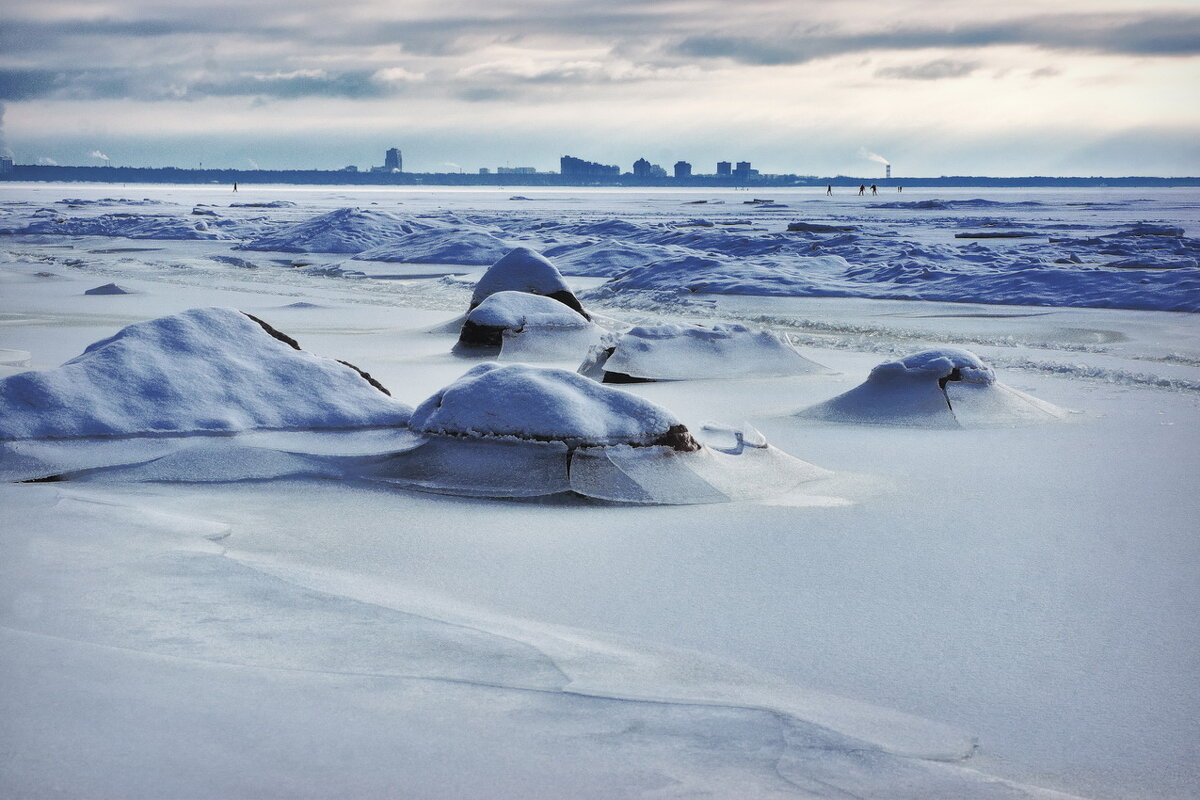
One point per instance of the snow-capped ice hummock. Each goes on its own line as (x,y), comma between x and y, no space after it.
(203,370)
(942,388)
(523,431)
(525,270)
(681,352)
(523,326)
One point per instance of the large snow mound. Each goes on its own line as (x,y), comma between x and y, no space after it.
(941,388)
(541,404)
(346,230)
(525,270)
(210,369)
(682,352)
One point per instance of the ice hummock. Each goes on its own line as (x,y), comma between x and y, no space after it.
(207,369)
(680,352)
(346,230)
(527,326)
(945,387)
(522,431)
(525,270)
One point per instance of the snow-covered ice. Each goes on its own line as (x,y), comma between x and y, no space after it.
(253,609)
(681,352)
(943,388)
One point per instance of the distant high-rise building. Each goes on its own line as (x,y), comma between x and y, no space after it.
(484,171)
(742,170)
(571,167)
(6,165)
(889,172)
(641,168)
(393,161)
(683,169)
(724,168)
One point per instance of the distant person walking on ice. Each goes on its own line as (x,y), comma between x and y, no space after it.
(829,189)
(899,188)
(874,189)
(235,186)
(862,189)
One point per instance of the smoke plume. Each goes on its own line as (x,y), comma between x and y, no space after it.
(99,155)
(865,153)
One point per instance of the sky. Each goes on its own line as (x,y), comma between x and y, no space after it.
(809,87)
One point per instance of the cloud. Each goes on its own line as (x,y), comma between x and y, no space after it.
(1162,34)
(930,71)
(99,155)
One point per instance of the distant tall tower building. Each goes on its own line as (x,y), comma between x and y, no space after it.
(393,161)
(889,172)
(683,169)
(724,168)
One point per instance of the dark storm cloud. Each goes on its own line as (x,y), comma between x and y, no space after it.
(1157,35)
(930,71)
(119,84)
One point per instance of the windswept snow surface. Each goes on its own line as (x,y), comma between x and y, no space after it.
(998,611)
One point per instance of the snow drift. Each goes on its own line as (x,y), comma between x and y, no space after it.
(211,369)
(942,388)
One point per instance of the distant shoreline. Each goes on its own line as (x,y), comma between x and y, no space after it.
(98,174)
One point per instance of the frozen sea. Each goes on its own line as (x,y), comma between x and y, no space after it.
(999,611)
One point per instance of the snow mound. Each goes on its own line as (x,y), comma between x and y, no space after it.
(522,431)
(474,247)
(212,369)
(942,388)
(346,230)
(678,352)
(525,270)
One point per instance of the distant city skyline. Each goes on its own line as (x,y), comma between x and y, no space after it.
(935,87)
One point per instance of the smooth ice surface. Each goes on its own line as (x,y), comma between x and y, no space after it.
(211,369)
(953,613)
(942,388)
(679,352)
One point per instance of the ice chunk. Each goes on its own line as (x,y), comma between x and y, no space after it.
(525,270)
(527,327)
(212,369)
(942,388)
(541,404)
(521,431)
(679,352)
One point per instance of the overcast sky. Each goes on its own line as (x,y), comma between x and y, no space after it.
(938,87)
